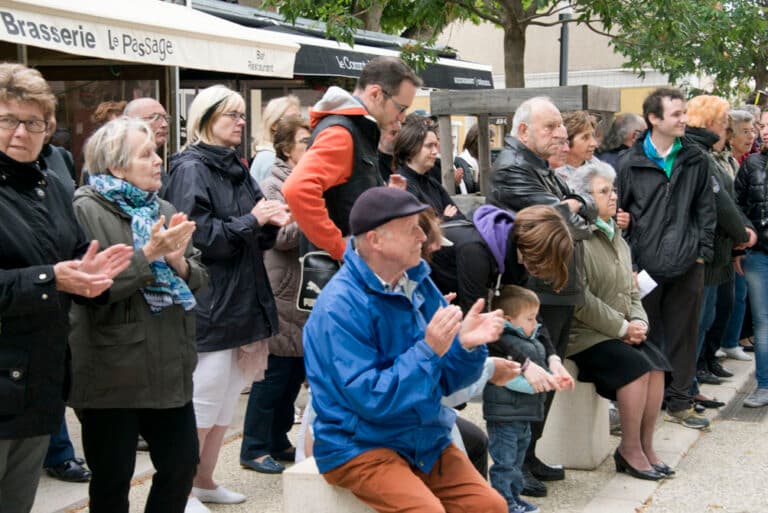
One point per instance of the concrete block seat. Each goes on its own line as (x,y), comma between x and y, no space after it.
(577,432)
(306,491)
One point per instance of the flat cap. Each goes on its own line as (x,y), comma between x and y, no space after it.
(380,205)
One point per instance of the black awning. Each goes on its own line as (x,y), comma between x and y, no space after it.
(339,62)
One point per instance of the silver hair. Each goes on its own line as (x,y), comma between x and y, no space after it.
(742,116)
(524,112)
(622,126)
(581,178)
(108,147)
(752,109)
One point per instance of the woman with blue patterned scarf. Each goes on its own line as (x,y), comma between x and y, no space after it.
(133,353)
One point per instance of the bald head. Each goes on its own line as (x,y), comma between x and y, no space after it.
(150,110)
(534,124)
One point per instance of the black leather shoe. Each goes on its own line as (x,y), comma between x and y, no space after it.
(707,377)
(70,471)
(544,472)
(532,487)
(288,455)
(719,371)
(266,466)
(623,466)
(698,407)
(710,403)
(663,468)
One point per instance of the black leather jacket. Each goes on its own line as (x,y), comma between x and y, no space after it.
(521,179)
(752,196)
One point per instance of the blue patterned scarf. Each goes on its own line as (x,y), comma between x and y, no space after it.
(143,208)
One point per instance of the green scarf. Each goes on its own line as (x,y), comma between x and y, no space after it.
(607,228)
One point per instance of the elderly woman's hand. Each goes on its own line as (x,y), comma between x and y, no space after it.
(636,333)
(170,241)
(110,262)
(539,379)
(70,279)
(562,376)
(450,211)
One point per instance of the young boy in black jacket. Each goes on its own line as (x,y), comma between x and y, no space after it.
(509,410)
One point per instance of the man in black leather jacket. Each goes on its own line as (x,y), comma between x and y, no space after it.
(521,178)
(665,184)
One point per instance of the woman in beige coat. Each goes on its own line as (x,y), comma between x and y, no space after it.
(270,411)
(608,335)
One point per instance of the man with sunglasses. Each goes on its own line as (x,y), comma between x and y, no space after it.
(342,159)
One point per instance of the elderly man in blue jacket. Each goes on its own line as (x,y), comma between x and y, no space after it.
(382,347)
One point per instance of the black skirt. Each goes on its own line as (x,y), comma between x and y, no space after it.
(611,364)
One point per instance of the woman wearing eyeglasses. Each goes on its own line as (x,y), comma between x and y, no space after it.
(235,225)
(43,266)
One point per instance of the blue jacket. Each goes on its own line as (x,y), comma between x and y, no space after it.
(375,381)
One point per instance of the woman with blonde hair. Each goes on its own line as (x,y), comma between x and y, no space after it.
(235,225)
(263,149)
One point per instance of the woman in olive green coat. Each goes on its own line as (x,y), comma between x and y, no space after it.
(608,334)
(133,349)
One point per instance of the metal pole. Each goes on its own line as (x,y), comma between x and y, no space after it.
(564,17)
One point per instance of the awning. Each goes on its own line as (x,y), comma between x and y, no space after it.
(320,57)
(148,32)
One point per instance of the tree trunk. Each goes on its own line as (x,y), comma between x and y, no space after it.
(372,16)
(514,54)
(761,75)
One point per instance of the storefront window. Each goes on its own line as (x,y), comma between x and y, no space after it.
(78,100)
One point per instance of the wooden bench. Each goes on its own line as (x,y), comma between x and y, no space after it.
(577,432)
(305,490)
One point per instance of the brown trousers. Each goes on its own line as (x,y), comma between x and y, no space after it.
(386,482)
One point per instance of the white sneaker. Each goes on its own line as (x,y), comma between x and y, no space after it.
(720,353)
(195,506)
(757,399)
(736,353)
(218,496)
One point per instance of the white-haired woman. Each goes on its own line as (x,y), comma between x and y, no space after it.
(133,353)
(263,147)
(235,225)
(608,335)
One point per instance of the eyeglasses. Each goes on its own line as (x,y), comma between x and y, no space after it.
(154,118)
(34,126)
(235,115)
(303,140)
(748,131)
(606,191)
(400,107)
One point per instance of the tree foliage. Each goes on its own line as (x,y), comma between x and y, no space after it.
(723,40)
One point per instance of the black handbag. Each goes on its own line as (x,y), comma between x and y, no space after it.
(317,269)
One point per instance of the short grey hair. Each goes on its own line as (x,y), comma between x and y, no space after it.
(742,116)
(580,180)
(752,109)
(622,126)
(524,112)
(108,147)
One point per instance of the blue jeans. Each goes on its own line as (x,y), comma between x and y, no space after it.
(507,443)
(269,415)
(756,271)
(60,448)
(733,328)
(706,317)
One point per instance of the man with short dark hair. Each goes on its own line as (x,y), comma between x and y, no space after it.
(342,159)
(665,185)
(382,348)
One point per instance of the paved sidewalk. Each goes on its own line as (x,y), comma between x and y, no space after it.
(598,491)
